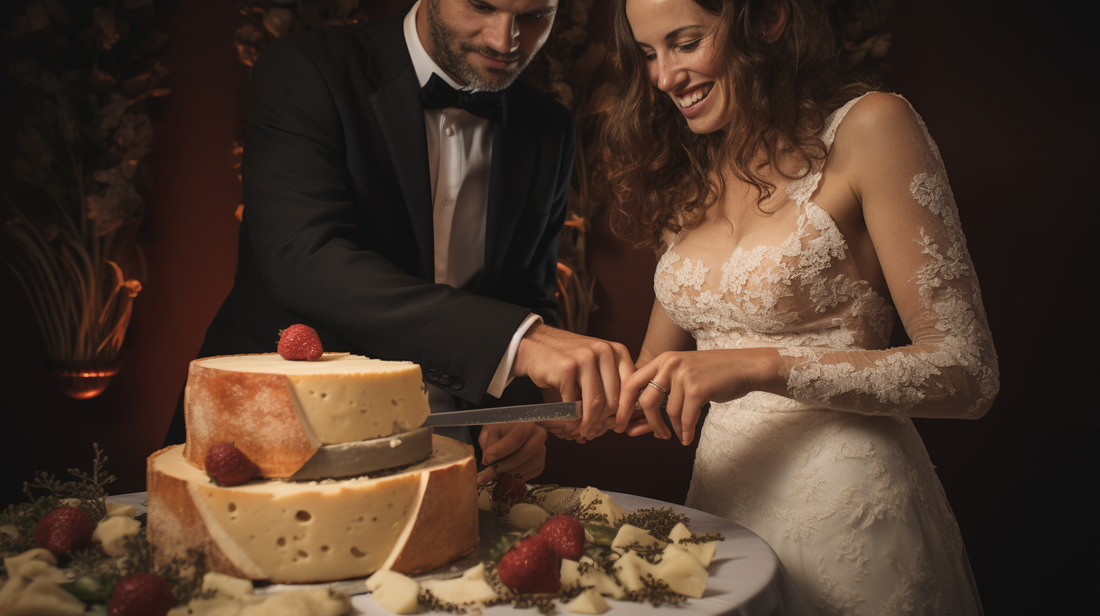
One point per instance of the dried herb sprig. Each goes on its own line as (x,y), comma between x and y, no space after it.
(704,538)
(651,553)
(584,512)
(656,592)
(658,521)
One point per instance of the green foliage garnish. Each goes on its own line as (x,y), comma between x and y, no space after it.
(87,492)
(601,535)
(91,589)
(95,571)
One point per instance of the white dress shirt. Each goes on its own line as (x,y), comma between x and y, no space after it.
(460,148)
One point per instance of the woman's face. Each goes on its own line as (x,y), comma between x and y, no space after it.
(677,38)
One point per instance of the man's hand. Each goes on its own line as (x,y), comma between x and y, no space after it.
(512,448)
(577,367)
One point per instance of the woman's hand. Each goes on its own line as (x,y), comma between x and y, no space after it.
(691,379)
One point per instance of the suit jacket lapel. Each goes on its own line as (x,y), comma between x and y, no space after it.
(509,177)
(397,108)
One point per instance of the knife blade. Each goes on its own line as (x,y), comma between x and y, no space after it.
(548,411)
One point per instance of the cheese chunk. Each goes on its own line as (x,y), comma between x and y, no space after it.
(703,551)
(681,571)
(606,506)
(629,534)
(112,532)
(396,592)
(13,563)
(527,516)
(227,586)
(43,598)
(571,575)
(629,569)
(471,587)
(588,602)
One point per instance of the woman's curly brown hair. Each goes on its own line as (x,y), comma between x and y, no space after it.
(665,176)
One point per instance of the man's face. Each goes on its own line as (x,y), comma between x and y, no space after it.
(485,44)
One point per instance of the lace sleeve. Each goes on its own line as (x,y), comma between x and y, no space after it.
(950,369)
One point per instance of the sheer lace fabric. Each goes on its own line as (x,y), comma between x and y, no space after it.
(834,476)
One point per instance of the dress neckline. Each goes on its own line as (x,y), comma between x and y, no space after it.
(808,212)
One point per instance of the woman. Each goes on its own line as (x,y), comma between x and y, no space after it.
(795,214)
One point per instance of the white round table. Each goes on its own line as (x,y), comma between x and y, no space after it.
(746,577)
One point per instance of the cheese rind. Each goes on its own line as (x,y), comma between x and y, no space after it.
(280,412)
(417,519)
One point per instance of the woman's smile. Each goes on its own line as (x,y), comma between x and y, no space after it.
(690,100)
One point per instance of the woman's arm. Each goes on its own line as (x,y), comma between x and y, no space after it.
(950,369)
(662,335)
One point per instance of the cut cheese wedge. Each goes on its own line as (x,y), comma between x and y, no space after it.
(412,521)
(280,412)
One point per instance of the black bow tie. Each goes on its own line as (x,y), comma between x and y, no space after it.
(437,94)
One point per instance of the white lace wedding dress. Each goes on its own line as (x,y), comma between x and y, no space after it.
(835,477)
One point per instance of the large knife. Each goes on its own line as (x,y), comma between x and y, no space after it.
(548,411)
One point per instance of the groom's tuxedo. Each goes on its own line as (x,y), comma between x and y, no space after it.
(337,229)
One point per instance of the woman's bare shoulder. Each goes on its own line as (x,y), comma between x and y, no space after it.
(878,117)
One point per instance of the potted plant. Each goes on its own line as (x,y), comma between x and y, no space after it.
(79,83)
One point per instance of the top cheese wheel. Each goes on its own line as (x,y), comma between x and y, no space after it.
(280,412)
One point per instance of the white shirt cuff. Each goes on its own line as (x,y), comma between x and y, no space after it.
(503,376)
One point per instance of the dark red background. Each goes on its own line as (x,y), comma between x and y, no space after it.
(1004,89)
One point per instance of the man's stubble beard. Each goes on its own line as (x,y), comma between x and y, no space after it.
(450,55)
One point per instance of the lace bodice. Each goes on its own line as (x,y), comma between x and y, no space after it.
(798,289)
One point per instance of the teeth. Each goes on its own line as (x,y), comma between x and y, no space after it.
(695,97)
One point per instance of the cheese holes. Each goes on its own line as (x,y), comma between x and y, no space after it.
(303,516)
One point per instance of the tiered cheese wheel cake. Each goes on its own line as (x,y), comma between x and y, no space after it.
(283,414)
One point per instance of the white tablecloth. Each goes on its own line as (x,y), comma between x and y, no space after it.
(746,577)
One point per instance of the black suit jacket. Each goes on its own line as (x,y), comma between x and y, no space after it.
(337,229)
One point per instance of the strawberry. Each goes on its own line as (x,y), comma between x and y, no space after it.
(141,594)
(509,489)
(530,566)
(63,529)
(229,466)
(299,342)
(566,536)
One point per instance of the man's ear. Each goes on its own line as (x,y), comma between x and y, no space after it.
(773,19)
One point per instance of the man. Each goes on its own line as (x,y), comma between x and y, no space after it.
(403,229)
